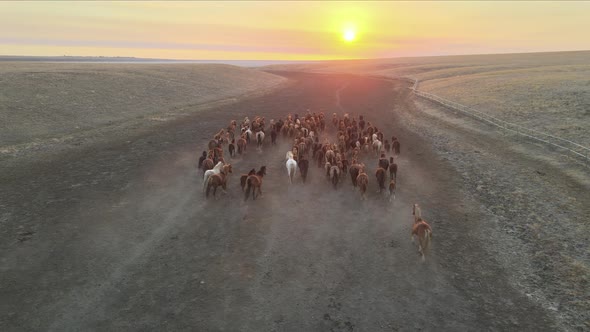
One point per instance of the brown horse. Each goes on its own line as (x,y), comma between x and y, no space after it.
(363,182)
(213,144)
(217,180)
(254,183)
(422,230)
(396,147)
(244,178)
(392,169)
(207,165)
(354,171)
(242,143)
(335,175)
(391,190)
(380,175)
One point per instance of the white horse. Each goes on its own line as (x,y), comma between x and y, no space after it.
(215,170)
(377,146)
(259,139)
(248,135)
(291,166)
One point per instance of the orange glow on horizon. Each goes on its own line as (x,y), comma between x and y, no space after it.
(289,30)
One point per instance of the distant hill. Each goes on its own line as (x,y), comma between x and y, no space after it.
(100,59)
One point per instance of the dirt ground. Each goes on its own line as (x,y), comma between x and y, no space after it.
(119,236)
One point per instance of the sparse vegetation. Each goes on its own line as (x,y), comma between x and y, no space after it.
(47,101)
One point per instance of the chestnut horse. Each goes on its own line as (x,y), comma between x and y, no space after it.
(422,230)
(254,183)
(244,178)
(380,175)
(363,182)
(208,173)
(242,145)
(219,179)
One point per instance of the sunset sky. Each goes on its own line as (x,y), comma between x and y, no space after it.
(290,30)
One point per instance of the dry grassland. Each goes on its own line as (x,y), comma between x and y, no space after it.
(49,101)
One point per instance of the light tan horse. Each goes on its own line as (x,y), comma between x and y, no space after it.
(421,230)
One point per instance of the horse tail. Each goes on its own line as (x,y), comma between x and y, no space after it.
(427,239)
(205,180)
(248,188)
(259,139)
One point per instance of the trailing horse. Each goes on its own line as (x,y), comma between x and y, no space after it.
(422,230)
(303,168)
(291,166)
(335,175)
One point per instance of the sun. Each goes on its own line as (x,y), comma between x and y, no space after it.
(349,35)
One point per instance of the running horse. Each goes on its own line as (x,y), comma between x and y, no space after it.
(219,179)
(380,175)
(254,183)
(363,182)
(291,166)
(244,178)
(303,167)
(209,173)
(421,230)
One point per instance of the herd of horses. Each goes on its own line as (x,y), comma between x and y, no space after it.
(337,156)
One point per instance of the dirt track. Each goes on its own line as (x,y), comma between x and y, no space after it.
(120,236)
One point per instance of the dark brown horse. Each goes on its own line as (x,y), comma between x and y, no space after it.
(392,169)
(396,147)
(335,175)
(303,168)
(254,183)
(380,175)
(207,165)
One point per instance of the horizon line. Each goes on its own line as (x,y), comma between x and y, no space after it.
(279,60)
